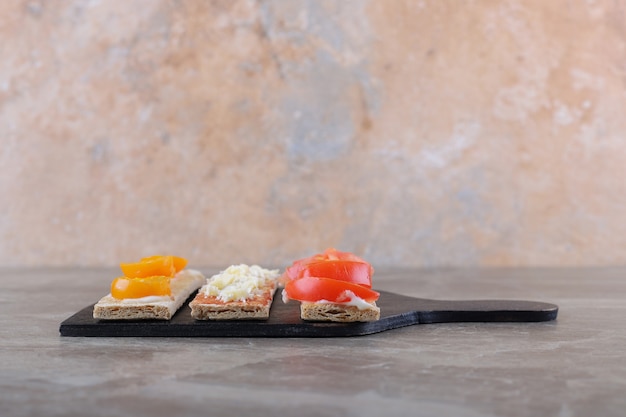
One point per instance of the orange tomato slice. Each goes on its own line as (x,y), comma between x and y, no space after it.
(154,266)
(313,289)
(178,262)
(124,287)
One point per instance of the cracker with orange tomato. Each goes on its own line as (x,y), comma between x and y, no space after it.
(153,288)
(332,286)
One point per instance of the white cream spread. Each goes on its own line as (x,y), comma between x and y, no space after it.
(147,299)
(177,282)
(353,300)
(239,282)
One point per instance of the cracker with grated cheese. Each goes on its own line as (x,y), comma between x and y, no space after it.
(240,292)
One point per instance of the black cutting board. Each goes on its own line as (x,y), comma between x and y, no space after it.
(395,311)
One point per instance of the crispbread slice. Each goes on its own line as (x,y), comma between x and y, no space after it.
(338,312)
(160,308)
(206,307)
(239,292)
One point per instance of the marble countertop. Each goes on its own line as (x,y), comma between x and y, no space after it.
(573,366)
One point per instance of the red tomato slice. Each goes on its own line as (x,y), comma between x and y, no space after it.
(330,254)
(314,289)
(349,271)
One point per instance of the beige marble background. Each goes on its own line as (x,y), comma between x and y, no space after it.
(417,133)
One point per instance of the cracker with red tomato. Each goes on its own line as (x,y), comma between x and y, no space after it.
(332,286)
(153,288)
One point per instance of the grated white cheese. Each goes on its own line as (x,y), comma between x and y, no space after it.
(239,282)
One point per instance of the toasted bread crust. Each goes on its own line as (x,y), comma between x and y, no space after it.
(338,312)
